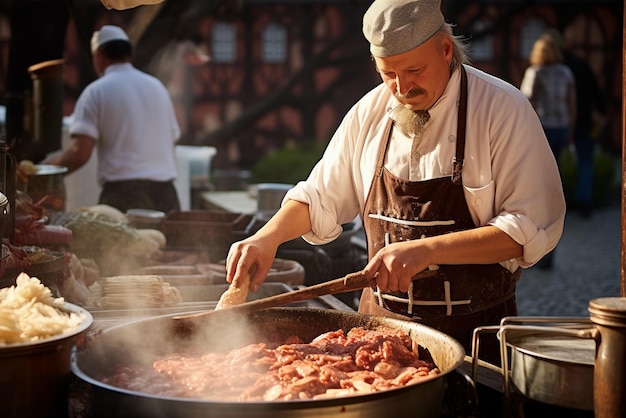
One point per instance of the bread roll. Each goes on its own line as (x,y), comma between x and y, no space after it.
(154,235)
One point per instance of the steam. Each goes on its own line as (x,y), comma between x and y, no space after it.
(143,341)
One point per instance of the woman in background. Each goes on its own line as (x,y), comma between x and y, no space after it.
(549,85)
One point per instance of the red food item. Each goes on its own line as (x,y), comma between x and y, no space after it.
(43,235)
(333,364)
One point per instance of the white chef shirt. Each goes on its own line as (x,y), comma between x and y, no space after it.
(510,177)
(130,115)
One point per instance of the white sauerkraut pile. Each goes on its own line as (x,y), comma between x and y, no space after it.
(29,312)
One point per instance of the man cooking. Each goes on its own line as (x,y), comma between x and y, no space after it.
(129,117)
(449,169)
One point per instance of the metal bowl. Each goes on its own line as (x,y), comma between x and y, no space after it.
(35,376)
(49,270)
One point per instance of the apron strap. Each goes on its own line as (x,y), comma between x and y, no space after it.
(382,151)
(459,159)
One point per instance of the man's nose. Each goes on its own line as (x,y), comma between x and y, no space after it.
(402,86)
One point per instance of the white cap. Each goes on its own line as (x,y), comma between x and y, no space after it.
(106,34)
(396,26)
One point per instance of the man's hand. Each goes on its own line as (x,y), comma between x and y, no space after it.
(250,260)
(395,265)
(255,255)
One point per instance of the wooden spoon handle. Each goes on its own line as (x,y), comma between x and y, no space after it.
(348,283)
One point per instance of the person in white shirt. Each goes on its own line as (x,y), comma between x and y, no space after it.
(129,117)
(449,169)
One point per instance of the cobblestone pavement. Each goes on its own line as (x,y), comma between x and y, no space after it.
(586,266)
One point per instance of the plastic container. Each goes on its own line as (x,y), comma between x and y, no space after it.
(193,167)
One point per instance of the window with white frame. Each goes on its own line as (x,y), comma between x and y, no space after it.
(224,43)
(532,29)
(274,44)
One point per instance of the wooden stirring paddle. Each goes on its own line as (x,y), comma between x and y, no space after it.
(348,283)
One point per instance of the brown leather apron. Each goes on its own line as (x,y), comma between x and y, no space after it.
(460,297)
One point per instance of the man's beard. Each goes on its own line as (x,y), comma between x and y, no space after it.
(410,122)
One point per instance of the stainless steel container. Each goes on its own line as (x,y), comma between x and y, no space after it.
(551,362)
(609,388)
(145,218)
(576,363)
(47,186)
(270,195)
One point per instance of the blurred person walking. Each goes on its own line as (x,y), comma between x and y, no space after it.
(590,99)
(550,86)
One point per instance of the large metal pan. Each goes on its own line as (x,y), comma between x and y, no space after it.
(141,341)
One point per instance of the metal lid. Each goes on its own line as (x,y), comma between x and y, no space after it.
(609,311)
(558,348)
(145,214)
(47,169)
(46,68)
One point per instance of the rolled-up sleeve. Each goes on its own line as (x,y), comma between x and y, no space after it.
(337,187)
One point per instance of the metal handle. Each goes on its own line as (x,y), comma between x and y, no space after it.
(460,406)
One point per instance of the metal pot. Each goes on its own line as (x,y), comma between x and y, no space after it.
(162,335)
(51,271)
(549,362)
(35,376)
(145,218)
(270,195)
(47,182)
(577,363)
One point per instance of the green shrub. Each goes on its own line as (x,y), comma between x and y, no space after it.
(289,164)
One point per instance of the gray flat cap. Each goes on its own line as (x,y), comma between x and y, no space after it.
(396,26)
